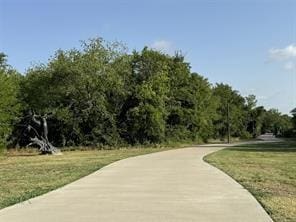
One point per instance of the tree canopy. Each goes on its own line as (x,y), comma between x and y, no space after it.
(102,95)
(9,101)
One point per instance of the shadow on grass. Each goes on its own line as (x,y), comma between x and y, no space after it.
(285,146)
(23,154)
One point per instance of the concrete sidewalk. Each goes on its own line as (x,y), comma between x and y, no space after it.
(175,185)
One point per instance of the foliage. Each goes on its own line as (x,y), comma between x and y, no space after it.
(78,88)
(142,118)
(276,123)
(190,103)
(9,103)
(102,95)
(227,97)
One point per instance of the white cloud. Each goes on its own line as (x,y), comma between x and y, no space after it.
(163,46)
(286,56)
(289,52)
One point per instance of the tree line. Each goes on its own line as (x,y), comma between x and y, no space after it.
(100,94)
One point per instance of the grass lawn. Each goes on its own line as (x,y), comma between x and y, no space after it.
(268,171)
(26,175)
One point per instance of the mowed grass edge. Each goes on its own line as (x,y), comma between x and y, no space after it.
(267,170)
(27,175)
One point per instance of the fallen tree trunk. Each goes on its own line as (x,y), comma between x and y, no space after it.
(41,138)
(45,147)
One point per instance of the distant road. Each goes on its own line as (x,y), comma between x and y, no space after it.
(268,137)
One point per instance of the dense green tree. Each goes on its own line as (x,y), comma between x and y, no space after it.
(254,116)
(179,101)
(276,123)
(227,97)
(9,103)
(102,95)
(142,118)
(77,87)
(190,105)
(257,117)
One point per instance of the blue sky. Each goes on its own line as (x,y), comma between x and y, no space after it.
(250,45)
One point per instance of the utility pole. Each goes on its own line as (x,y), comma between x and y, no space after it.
(228,123)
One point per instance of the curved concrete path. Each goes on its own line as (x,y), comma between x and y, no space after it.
(175,185)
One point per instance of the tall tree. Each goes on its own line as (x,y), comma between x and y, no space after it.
(276,123)
(9,103)
(227,97)
(143,115)
(79,87)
